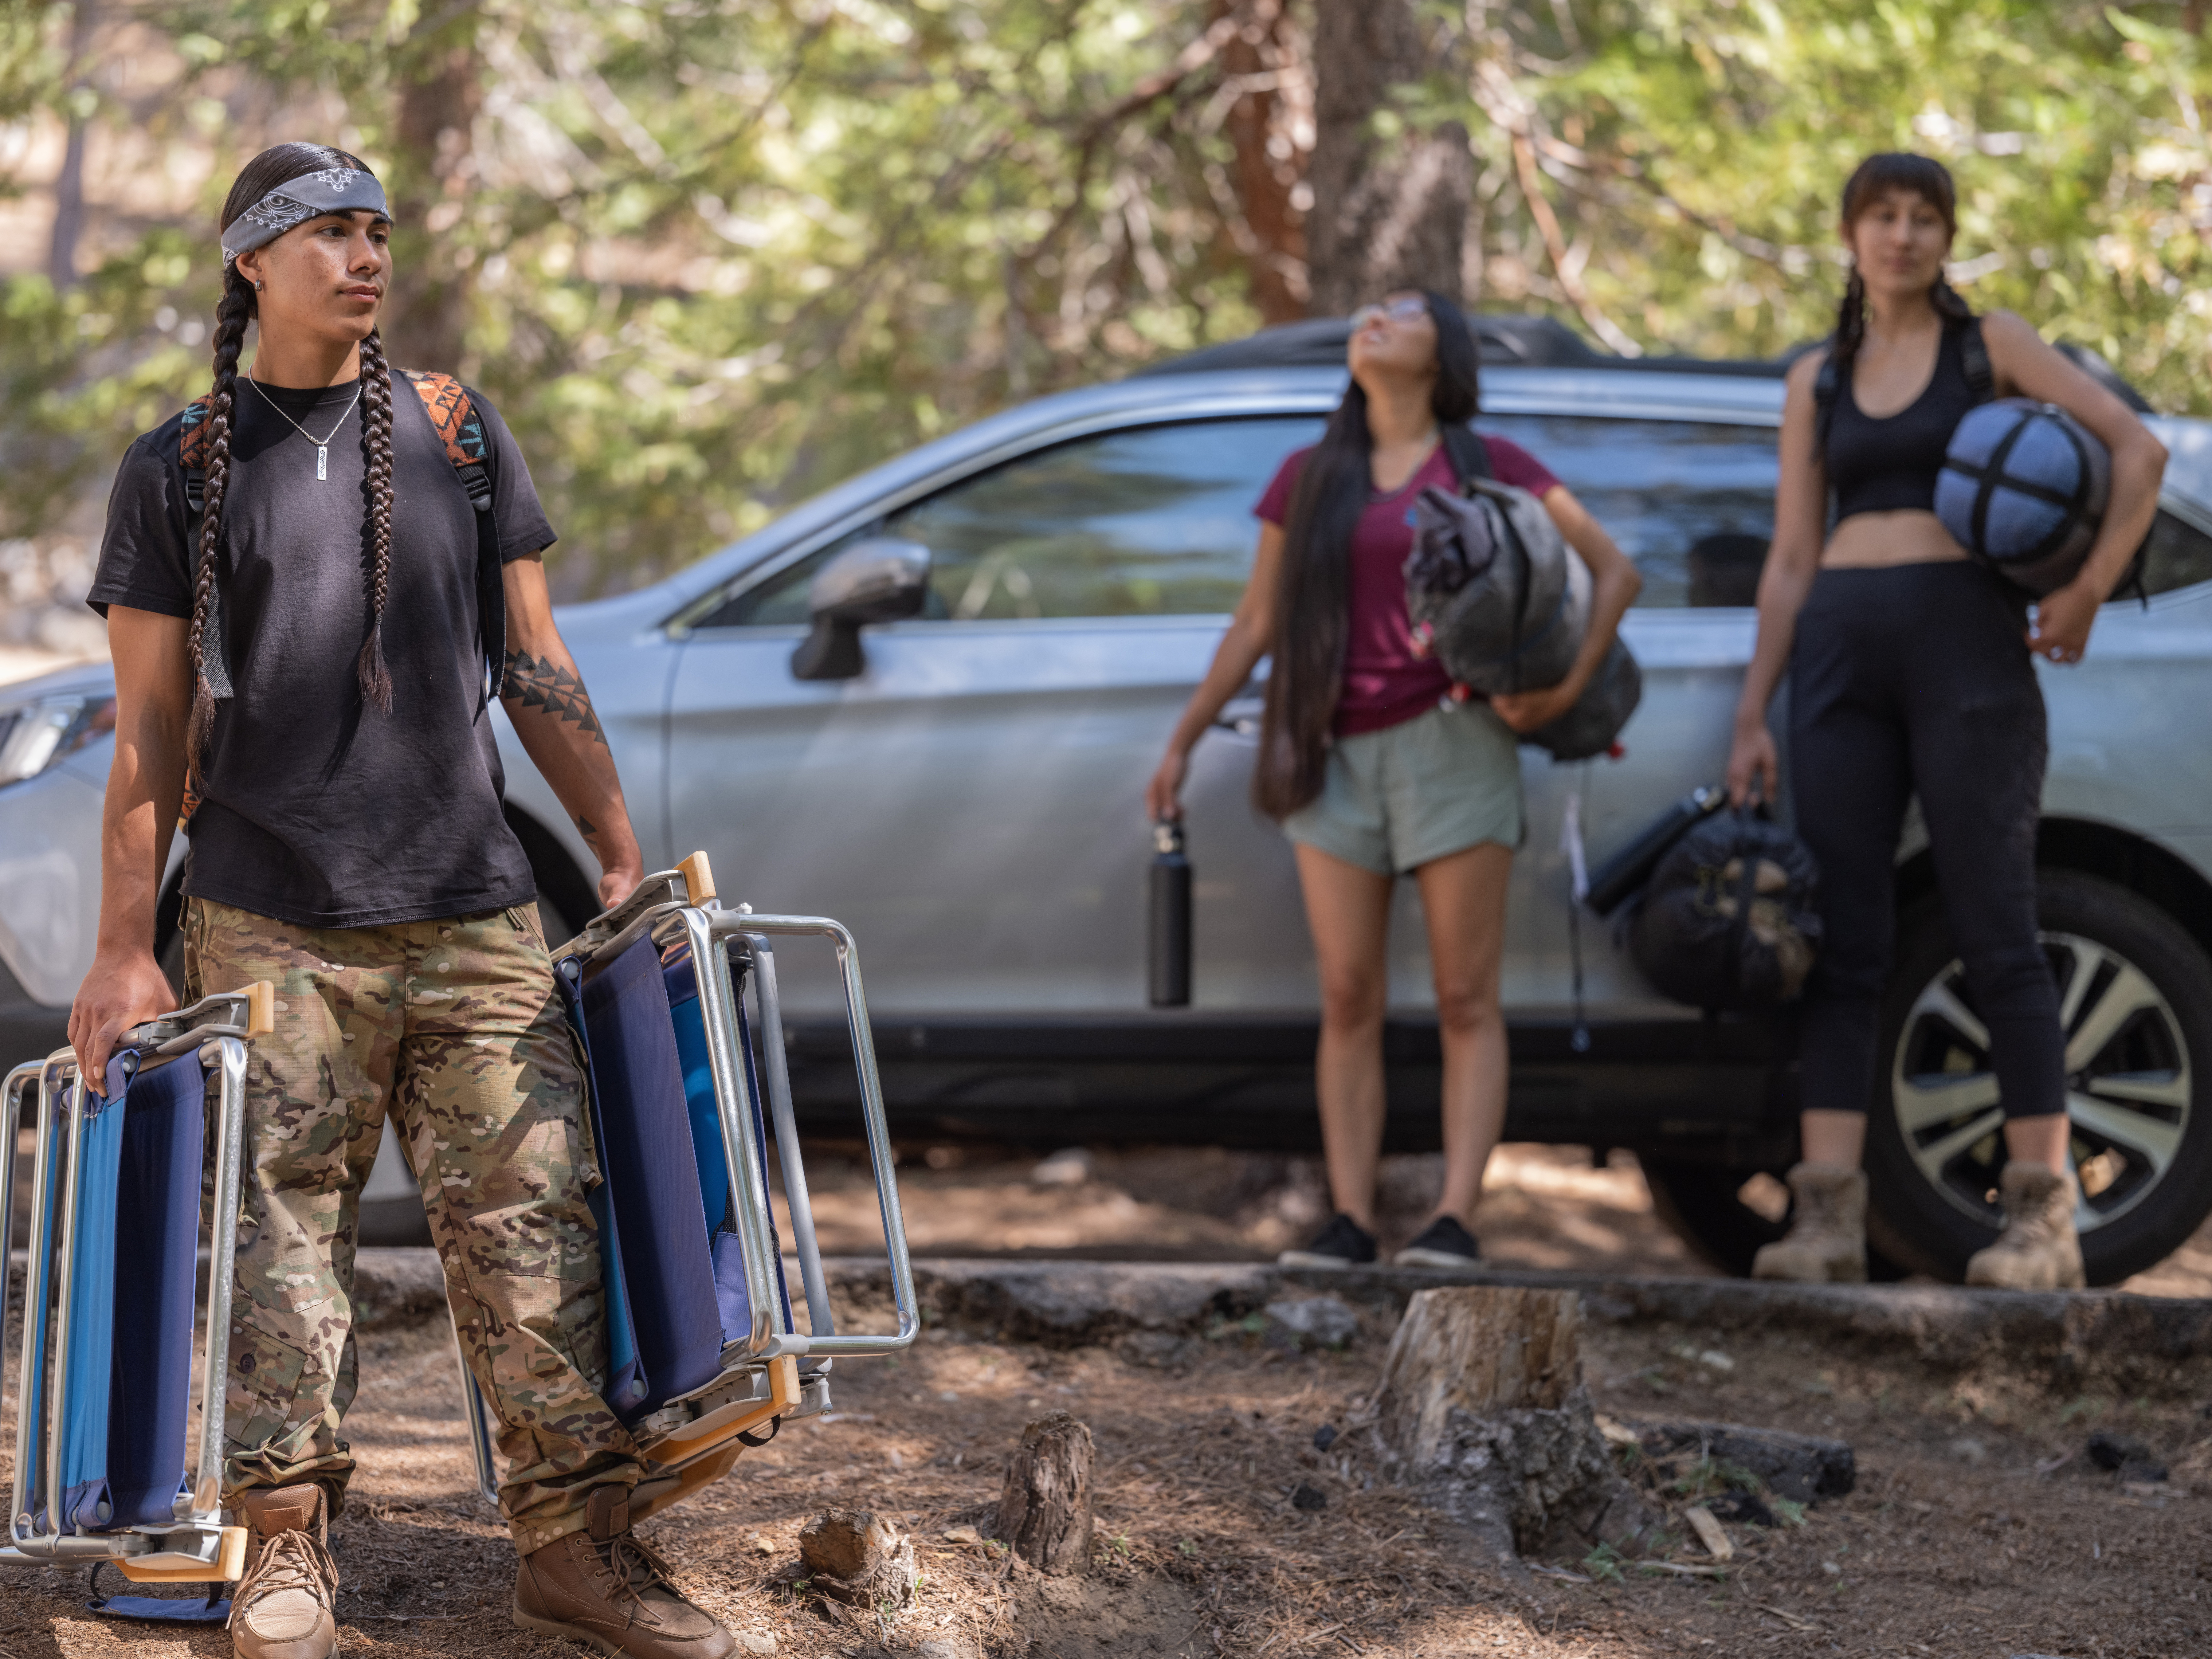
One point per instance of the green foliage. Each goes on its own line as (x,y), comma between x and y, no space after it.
(1603,1564)
(711,255)
(1700,146)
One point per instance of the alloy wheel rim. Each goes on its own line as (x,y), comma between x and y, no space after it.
(2128,1083)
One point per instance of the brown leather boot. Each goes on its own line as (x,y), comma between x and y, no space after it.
(282,1608)
(603,1587)
(2038,1248)
(1826,1241)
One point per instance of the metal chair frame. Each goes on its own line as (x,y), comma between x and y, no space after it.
(774,1370)
(212,1033)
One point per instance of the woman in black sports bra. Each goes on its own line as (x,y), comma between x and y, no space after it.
(1911,673)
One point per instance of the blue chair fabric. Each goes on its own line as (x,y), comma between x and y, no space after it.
(731,1293)
(642,1118)
(130,1297)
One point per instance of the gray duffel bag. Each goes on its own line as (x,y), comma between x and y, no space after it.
(1496,595)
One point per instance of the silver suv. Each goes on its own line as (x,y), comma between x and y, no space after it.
(927,701)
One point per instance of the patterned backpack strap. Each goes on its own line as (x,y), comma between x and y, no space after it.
(460,428)
(469,448)
(192,454)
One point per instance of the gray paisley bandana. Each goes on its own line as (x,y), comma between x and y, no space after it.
(335,190)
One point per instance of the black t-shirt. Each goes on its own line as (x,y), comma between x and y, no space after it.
(314,808)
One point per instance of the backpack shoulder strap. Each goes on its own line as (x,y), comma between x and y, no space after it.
(1974,354)
(461,430)
(192,456)
(1468,455)
(468,447)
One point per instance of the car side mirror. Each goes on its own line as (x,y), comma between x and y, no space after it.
(879,580)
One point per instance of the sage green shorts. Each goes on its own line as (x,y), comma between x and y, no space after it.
(1437,784)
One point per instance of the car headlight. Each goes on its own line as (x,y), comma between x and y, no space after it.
(35,736)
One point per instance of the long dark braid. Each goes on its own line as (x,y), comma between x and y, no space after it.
(236,309)
(376,457)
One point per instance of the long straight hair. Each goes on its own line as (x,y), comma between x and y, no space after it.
(1893,170)
(276,165)
(1332,492)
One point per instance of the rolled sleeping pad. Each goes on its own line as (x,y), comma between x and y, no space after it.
(2023,489)
(1493,591)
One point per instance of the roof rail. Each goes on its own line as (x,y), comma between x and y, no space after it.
(1527,342)
(1505,341)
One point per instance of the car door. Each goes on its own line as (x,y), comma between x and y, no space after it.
(971,803)
(1691,502)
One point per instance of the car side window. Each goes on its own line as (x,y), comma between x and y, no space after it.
(2175,555)
(1691,502)
(1153,520)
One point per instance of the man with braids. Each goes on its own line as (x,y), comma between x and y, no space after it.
(311,637)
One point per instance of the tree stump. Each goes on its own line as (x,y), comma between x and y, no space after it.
(856,1558)
(1044,1514)
(1482,1406)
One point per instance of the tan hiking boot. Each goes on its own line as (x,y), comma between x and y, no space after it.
(602,1587)
(1826,1241)
(282,1608)
(2038,1248)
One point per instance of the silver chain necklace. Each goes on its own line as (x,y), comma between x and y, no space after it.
(322,445)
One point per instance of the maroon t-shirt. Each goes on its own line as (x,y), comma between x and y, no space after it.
(1385,683)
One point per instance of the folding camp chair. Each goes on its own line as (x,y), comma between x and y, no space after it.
(705,1356)
(103,1372)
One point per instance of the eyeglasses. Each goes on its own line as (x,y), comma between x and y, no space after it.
(1406,308)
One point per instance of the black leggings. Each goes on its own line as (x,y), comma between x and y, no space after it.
(1916,678)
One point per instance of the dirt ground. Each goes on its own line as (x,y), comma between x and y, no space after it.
(1543,1207)
(1968,1534)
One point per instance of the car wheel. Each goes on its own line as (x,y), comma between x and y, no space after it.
(1703,1203)
(2134,994)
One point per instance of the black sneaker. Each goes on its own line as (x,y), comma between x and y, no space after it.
(1444,1244)
(1342,1244)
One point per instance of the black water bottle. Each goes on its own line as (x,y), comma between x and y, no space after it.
(1170,918)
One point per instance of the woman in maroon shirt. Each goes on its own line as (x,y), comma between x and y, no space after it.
(1373,766)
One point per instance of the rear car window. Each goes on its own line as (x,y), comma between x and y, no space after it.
(1691,502)
(2175,555)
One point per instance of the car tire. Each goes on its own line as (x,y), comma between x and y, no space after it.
(2135,994)
(1700,1203)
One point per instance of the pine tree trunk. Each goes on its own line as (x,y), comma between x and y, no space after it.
(1387,214)
(1044,1514)
(427,311)
(1266,173)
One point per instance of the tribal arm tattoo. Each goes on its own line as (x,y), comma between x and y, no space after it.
(544,698)
(540,683)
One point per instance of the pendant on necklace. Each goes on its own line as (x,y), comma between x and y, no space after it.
(322,460)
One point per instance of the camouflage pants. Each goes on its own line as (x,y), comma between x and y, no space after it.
(454,1028)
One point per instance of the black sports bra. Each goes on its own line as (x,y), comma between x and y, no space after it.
(1889,465)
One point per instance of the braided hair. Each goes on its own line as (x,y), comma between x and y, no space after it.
(265,173)
(1894,170)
